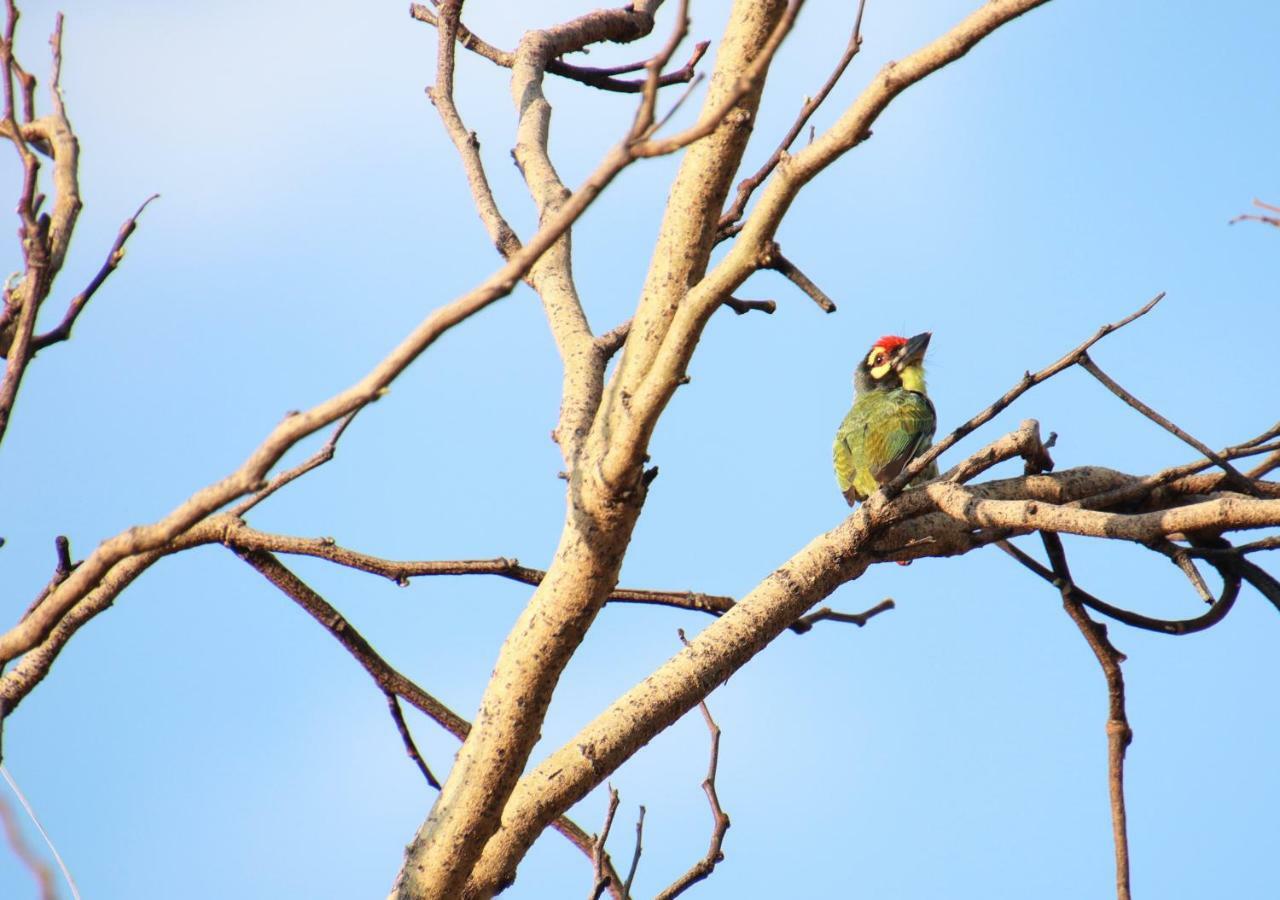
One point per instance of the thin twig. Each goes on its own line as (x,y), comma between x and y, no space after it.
(1238,480)
(244,539)
(921,462)
(1119,734)
(467,144)
(748,185)
(1176,627)
(745,306)
(635,856)
(720,822)
(599,858)
(317,459)
(62,331)
(827,614)
(687,73)
(397,716)
(1268,220)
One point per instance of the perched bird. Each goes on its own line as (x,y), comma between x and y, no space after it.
(892,420)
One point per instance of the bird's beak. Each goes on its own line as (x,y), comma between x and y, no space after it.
(913,350)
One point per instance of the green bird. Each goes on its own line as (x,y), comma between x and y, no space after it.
(892,420)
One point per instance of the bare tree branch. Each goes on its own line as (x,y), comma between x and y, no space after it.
(602,78)
(42,874)
(441,858)
(827,614)
(466,142)
(317,459)
(1266,220)
(772,258)
(635,856)
(748,185)
(1223,605)
(1119,734)
(599,857)
(720,822)
(62,331)
(742,307)
(391,682)
(1237,480)
(397,716)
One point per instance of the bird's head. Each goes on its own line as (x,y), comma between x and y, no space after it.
(893,362)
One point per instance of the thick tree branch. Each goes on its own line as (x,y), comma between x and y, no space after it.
(585,568)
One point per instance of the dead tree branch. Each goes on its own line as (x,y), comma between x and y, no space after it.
(1237,480)
(1119,734)
(115,256)
(1274,221)
(602,78)
(748,185)
(1222,606)
(397,716)
(741,307)
(773,259)
(719,821)
(635,856)
(599,858)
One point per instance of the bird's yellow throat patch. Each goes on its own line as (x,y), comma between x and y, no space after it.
(913,378)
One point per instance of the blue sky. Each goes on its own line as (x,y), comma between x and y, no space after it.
(205,733)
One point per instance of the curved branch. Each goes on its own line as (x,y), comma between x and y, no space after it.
(602,78)
(1230,591)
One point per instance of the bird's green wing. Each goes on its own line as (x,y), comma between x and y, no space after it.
(907,431)
(879,436)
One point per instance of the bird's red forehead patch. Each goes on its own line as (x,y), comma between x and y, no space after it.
(890,342)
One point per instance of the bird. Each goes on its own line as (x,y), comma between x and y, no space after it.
(892,420)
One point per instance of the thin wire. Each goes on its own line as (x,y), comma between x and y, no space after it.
(13,786)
